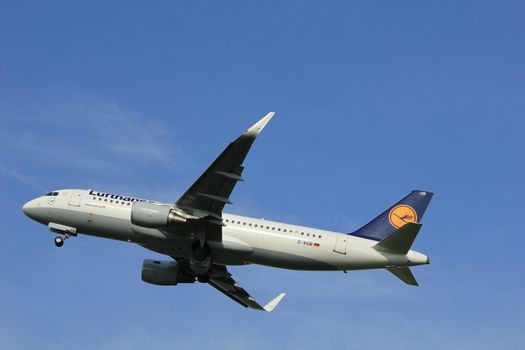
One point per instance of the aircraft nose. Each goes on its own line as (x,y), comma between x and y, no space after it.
(29,208)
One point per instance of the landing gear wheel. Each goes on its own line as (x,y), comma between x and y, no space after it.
(59,241)
(201,253)
(203,278)
(200,260)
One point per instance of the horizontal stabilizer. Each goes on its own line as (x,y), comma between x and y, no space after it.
(404,274)
(400,241)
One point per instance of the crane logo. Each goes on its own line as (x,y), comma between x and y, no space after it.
(401,215)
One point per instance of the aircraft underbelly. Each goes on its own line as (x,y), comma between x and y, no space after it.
(281,251)
(287,260)
(94,224)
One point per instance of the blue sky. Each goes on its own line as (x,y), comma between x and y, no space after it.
(373,99)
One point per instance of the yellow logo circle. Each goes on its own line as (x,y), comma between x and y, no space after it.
(401,215)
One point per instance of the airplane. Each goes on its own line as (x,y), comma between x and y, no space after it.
(202,240)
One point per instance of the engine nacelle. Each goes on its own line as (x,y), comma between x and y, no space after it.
(164,273)
(155,215)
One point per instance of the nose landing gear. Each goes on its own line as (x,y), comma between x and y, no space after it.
(67,231)
(59,241)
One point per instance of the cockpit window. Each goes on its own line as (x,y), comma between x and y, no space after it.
(52,194)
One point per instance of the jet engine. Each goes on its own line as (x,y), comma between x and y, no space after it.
(164,273)
(155,215)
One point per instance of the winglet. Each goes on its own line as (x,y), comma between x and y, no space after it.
(273,304)
(256,128)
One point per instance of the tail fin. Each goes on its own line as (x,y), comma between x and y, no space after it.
(409,209)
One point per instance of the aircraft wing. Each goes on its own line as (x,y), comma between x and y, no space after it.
(205,199)
(221,279)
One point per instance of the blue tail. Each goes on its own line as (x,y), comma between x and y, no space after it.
(409,209)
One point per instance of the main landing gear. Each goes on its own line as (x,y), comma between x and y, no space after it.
(200,259)
(59,241)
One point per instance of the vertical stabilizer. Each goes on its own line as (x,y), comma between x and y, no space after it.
(409,209)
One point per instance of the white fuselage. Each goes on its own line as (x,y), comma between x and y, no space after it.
(244,239)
